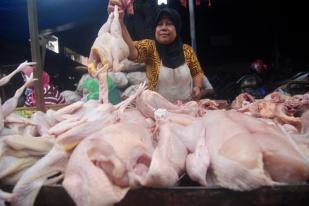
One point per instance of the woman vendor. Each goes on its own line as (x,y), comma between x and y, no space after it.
(172,67)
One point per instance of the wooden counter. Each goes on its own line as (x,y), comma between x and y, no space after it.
(191,196)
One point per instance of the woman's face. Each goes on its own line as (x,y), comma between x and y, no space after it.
(165,30)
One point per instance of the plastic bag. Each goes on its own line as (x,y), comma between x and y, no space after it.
(92,86)
(136,77)
(114,95)
(119,79)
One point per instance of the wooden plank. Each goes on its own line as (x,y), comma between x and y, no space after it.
(294,195)
(196,196)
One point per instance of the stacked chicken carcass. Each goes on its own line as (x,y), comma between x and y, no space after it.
(148,141)
(98,151)
(102,150)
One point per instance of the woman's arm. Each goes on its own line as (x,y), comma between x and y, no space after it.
(197,86)
(196,71)
(127,38)
(207,90)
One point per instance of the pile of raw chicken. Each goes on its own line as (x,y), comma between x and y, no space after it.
(98,151)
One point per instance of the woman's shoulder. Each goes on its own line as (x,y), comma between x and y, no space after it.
(188,52)
(187,47)
(145,45)
(145,42)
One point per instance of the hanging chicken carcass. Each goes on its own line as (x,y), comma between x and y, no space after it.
(109,47)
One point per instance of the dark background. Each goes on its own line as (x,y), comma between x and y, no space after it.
(229,35)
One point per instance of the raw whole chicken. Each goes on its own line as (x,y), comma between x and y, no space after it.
(109,47)
(278,107)
(149,101)
(117,156)
(10,105)
(247,153)
(7,78)
(44,172)
(180,144)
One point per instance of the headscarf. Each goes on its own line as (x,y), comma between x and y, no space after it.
(29,70)
(51,94)
(172,54)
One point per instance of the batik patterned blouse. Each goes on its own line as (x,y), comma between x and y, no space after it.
(148,54)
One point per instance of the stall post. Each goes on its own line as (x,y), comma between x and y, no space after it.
(192,24)
(35,52)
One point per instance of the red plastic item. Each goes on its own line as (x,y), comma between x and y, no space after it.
(184,3)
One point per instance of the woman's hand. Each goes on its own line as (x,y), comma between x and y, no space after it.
(196,93)
(111,5)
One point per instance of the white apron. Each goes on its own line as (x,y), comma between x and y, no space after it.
(175,84)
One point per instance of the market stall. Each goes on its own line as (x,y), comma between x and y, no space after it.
(146,149)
